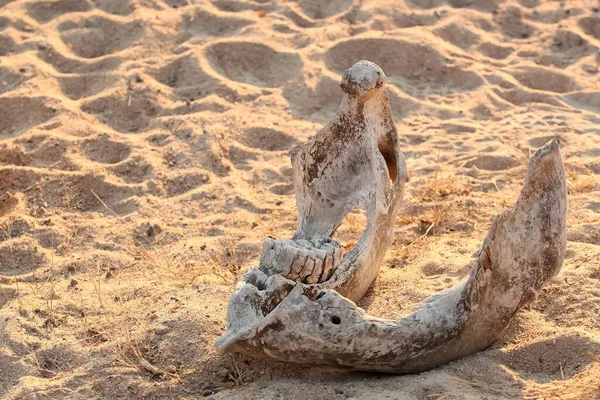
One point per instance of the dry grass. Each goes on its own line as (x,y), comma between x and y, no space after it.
(577,183)
(181,267)
(439,186)
(127,346)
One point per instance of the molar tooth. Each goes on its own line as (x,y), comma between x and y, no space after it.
(286,258)
(337,256)
(316,274)
(267,248)
(330,251)
(320,254)
(309,266)
(267,258)
(305,253)
(297,267)
(268,244)
(327,268)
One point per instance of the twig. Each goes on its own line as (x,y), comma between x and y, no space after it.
(104,204)
(419,238)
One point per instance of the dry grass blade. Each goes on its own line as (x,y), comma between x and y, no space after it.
(104,204)
(419,238)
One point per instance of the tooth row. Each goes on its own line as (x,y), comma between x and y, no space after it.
(302,260)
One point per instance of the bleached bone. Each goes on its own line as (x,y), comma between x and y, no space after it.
(353,162)
(270,316)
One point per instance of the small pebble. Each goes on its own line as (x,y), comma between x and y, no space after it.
(154,230)
(46,373)
(161,329)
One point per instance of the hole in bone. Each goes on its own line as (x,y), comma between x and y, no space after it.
(335,320)
(390,159)
(351,229)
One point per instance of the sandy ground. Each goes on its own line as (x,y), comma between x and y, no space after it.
(144,158)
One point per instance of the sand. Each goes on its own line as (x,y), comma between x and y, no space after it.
(144,158)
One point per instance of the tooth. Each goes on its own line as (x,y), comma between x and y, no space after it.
(297,267)
(286,258)
(267,259)
(337,256)
(267,254)
(308,268)
(320,254)
(330,252)
(316,274)
(268,244)
(327,268)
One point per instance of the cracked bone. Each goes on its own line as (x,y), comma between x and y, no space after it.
(318,323)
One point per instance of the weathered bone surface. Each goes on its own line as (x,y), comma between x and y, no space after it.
(355,162)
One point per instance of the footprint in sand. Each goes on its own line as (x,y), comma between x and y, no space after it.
(240,6)
(48,152)
(124,112)
(102,150)
(425,66)
(68,65)
(98,36)
(493,162)
(317,9)
(4,23)
(458,35)
(45,11)
(14,121)
(77,87)
(181,184)
(134,170)
(589,101)
(512,24)
(544,79)
(206,24)
(7,45)
(253,63)
(591,26)
(495,51)
(268,139)
(189,82)
(11,78)
(115,7)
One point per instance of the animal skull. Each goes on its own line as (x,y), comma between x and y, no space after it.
(298,305)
